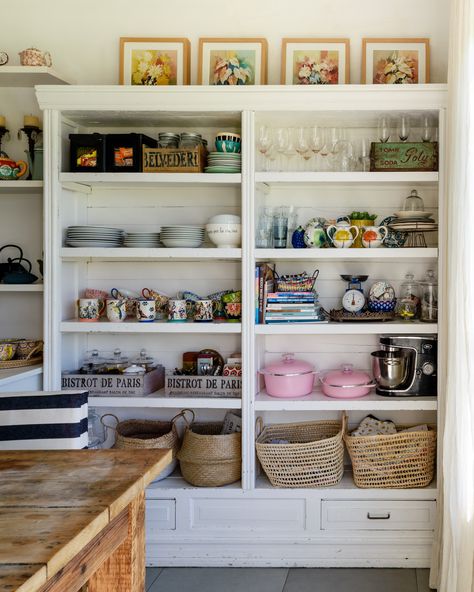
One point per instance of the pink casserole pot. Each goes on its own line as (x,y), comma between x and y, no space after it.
(346,383)
(289,378)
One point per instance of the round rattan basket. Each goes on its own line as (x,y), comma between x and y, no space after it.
(209,458)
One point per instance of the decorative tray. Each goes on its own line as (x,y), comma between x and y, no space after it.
(342,315)
(21,363)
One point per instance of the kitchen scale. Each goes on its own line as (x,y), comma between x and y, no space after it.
(354,303)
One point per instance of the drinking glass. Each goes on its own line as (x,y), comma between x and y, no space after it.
(404,128)
(384,128)
(280,228)
(364,154)
(264,236)
(426,128)
(302,144)
(264,142)
(315,139)
(285,146)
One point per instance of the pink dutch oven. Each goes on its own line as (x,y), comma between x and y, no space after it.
(346,383)
(289,378)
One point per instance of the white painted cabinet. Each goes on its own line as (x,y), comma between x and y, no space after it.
(249,522)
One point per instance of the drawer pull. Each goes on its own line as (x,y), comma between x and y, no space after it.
(371,516)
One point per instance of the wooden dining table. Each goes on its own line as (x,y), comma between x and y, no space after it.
(71,518)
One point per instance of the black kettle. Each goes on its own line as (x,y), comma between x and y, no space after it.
(13,272)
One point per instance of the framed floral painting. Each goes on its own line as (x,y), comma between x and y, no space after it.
(395,61)
(315,61)
(146,61)
(237,62)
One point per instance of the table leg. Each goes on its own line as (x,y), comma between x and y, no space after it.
(124,571)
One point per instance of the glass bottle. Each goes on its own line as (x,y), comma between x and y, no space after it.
(429,298)
(408,307)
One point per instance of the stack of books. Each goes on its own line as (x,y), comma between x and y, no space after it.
(293,307)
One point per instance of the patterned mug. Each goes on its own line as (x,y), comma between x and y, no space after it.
(116,310)
(90,309)
(146,310)
(177,310)
(203,311)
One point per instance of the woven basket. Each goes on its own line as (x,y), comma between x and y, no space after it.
(300,282)
(139,434)
(313,457)
(399,461)
(209,458)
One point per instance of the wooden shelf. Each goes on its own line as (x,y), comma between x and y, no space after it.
(159,254)
(310,178)
(316,401)
(14,374)
(161,401)
(132,326)
(21,287)
(87,182)
(375,255)
(29,76)
(355,328)
(29,188)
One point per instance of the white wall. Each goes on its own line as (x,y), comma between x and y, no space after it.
(83,35)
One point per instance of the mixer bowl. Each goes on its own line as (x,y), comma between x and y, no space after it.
(391,369)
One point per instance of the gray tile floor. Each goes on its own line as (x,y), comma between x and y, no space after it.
(226,579)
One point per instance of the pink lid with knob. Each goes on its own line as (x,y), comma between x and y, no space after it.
(347,376)
(288,366)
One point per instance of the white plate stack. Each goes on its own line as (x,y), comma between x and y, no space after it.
(94,236)
(142,240)
(182,236)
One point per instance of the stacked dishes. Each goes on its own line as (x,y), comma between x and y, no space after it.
(94,236)
(141,240)
(223,162)
(182,236)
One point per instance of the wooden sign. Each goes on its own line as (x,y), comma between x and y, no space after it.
(174,160)
(204,386)
(115,385)
(404,156)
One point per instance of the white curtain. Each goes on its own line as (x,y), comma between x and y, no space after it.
(454,573)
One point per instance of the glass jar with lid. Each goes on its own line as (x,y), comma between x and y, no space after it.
(116,364)
(93,363)
(146,361)
(414,203)
(429,298)
(408,306)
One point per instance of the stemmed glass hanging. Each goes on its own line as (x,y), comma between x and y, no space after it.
(403,128)
(384,128)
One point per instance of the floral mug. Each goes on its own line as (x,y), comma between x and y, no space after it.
(177,310)
(146,310)
(90,309)
(116,310)
(203,311)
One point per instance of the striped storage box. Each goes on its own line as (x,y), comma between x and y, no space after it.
(43,420)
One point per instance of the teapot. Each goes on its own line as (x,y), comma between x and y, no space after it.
(35,57)
(342,234)
(315,234)
(11,170)
(373,236)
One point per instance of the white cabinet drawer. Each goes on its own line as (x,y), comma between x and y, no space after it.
(160,515)
(249,514)
(377,515)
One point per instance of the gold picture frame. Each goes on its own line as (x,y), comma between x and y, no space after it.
(300,56)
(378,55)
(249,55)
(155,61)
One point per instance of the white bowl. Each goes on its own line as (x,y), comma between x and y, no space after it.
(225,235)
(224,219)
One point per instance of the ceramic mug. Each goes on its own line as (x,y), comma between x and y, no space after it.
(146,310)
(102,295)
(129,296)
(90,309)
(177,310)
(161,300)
(116,310)
(203,311)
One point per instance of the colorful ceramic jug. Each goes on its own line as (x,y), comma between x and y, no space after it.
(373,236)
(342,235)
(11,170)
(314,233)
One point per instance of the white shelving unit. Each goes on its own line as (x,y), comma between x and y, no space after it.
(250,521)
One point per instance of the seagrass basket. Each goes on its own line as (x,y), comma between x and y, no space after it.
(148,434)
(313,456)
(397,461)
(209,458)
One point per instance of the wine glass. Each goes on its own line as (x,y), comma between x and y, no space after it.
(364,154)
(315,139)
(403,128)
(264,142)
(384,128)
(282,143)
(302,144)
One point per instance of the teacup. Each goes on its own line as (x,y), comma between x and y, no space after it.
(90,309)
(161,301)
(203,311)
(177,310)
(146,310)
(7,351)
(130,296)
(116,310)
(100,294)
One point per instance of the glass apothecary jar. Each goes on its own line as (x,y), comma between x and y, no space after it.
(429,298)
(408,305)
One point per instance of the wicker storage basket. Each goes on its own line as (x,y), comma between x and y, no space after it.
(300,282)
(399,461)
(313,457)
(146,434)
(208,458)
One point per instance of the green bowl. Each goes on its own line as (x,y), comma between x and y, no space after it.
(228,146)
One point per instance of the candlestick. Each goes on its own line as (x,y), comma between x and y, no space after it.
(32,132)
(3,121)
(30,121)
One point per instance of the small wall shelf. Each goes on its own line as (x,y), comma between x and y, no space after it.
(29,76)
(21,287)
(16,187)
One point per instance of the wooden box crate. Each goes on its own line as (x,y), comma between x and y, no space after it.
(404,156)
(174,160)
(115,385)
(227,387)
